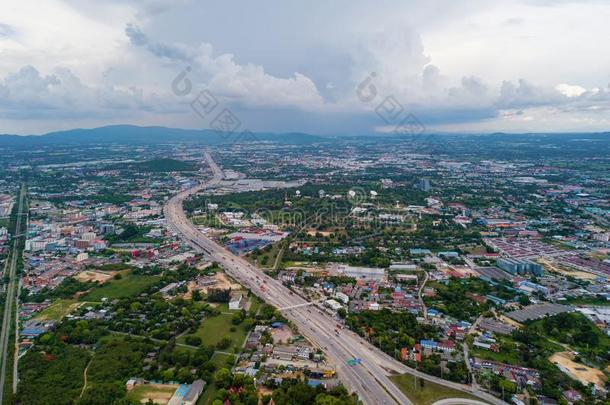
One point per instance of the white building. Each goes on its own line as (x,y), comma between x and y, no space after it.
(363,273)
(342,297)
(81,257)
(236,301)
(332,304)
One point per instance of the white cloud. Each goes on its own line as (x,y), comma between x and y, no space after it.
(27,94)
(247,84)
(479,65)
(570,90)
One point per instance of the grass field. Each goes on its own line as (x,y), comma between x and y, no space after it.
(58,310)
(129,286)
(213,329)
(429,393)
(114,267)
(502,357)
(207,396)
(220,360)
(4,222)
(158,393)
(255,305)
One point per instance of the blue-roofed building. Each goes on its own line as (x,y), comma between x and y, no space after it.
(328,286)
(433,312)
(428,344)
(178,397)
(419,251)
(315,383)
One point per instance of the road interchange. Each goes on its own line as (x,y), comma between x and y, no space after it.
(370,379)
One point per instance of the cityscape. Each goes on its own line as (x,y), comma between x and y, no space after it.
(413,209)
(338,268)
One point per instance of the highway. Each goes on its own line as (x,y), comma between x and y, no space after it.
(368,379)
(10,298)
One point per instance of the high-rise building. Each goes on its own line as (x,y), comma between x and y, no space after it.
(424,185)
(516,266)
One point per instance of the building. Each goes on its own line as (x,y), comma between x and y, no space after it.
(342,297)
(518,266)
(424,185)
(192,395)
(81,257)
(236,301)
(403,267)
(131,383)
(303,352)
(332,304)
(285,352)
(529,287)
(178,397)
(362,273)
(445,346)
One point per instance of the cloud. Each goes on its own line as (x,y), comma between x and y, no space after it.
(6,30)
(291,66)
(28,94)
(248,84)
(174,52)
(569,90)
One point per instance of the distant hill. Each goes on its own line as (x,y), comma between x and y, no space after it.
(130,134)
(149,135)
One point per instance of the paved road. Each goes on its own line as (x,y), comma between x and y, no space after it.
(419,295)
(369,379)
(10,298)
(459,401)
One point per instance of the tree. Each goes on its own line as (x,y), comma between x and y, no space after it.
(192,340)
(508,387)
(102,394)
(324,399)
(223,378)
(524,300)
(224,343)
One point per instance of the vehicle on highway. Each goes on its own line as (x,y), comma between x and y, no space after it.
(354,362)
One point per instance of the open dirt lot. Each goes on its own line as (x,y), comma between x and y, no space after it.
(580,372)
(91,275)
(281,335)
(222,282)
(582,275)
(157,393)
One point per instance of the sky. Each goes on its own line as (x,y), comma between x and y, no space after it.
(340,67)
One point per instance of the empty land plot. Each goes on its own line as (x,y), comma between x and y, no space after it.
(157,393)
(213,329)
(428,392)
(91,275)
(128,286)
(556,268)
(58,310)
(578,371)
